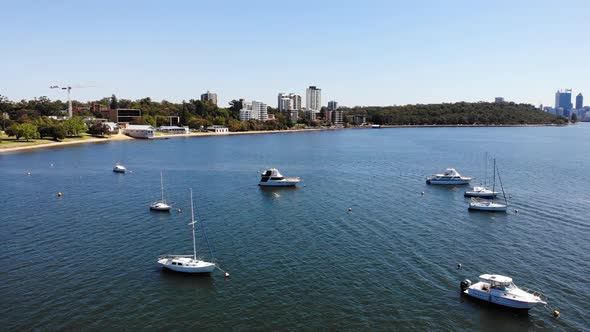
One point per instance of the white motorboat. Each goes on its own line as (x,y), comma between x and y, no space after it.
(485,205)
(449,177)
(161,205)
(375,126)
(481,191)
(187,263)
(273,178)
(119,168)
(501,290)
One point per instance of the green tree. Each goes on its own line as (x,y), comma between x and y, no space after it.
(98,129)
(24,130)
(74,126)
(114,103)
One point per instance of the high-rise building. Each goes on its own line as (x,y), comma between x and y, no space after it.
(579,101)
(499,100)
(332,105)
(210,97)
(287,102)
(313,99)
(563,99)
(260,109)
(338,117)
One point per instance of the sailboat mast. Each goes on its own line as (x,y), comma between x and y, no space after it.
(485,177)
(193,224)
(162,186)
(494,183)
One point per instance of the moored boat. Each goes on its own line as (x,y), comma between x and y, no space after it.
(273,178)
(501,290)
(119,168)
(449,177)
(485,205)
(161,205)
(187,263)
(482,192)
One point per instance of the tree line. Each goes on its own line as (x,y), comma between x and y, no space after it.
(463,113)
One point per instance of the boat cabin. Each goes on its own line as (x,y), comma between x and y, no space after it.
(271,174)
(496,281)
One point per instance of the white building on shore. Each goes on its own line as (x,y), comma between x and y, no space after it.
(254,111)
(173,130)
(218,129)
(139,131)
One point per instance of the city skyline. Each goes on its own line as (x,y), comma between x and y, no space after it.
(393,54)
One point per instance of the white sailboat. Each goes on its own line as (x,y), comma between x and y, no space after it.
(161,204)
(490,205)
(482,191)
(187,263)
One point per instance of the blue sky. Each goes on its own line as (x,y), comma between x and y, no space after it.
(358,52)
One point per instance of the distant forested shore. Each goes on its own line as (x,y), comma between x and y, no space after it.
(462,113)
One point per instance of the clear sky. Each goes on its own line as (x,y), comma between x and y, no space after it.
(357,52)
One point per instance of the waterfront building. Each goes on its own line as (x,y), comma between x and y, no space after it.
(173,130)
(121,115)
(579,101)
(218,129)
(310,114)
(327,113)
(563,99)
(288,102)
(499,100)
(313,99)
(210,97)
(139,131)
(338,118)
(254,111)
(332,105)
(359,120)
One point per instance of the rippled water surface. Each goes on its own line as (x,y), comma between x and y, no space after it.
(298,259)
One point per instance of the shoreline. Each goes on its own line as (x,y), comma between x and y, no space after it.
(122,137)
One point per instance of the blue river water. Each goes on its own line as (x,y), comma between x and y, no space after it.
(298,259)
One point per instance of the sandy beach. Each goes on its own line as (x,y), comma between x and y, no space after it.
(120,137)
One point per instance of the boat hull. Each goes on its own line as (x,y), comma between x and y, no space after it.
(204,267)
(119,170)
(491,208)
(499,300)
(448,182)
(480,194)
(278,184)
(160,207)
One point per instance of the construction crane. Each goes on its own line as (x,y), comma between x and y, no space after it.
(69,89)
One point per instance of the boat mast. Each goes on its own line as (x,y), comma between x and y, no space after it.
(494,183)
(485,176)
(193,224)
(502,186)
(162,186)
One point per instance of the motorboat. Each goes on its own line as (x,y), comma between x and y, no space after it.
(187,263)
(375,126)
(481,191)
(161,205)
(485,205)
(119,168)
(501,290)
(273,178)
(449,177)
(490,205)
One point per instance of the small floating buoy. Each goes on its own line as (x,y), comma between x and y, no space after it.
(226,275)
(59,194)
(29,173)
(459,266)
(305,185)
(515,211)
(422,193)
(179,210)
(556,313)
(51,165)
(349,209)
(509,196)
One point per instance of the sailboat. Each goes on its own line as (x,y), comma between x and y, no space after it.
(485,205)
(187,263)
(482,191)
(161,204)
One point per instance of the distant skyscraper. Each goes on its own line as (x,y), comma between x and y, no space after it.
(338,117)
(260,109)
(563,99)
(579,101)
(210,97)
(332,105)
(313,99)
(288,102)
(499,100)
